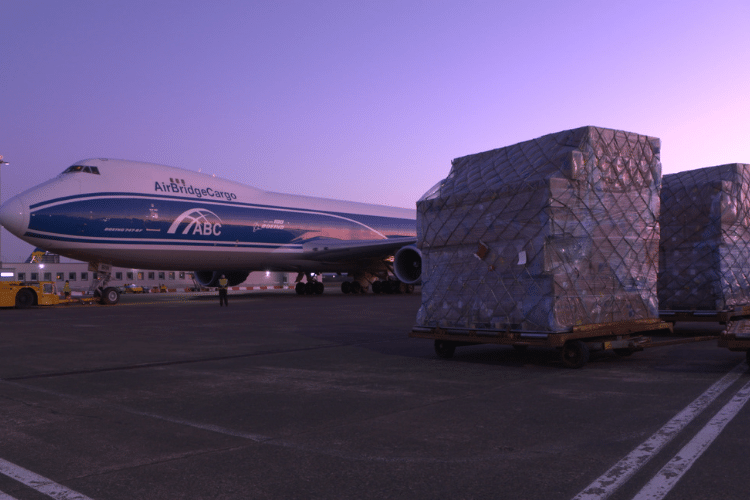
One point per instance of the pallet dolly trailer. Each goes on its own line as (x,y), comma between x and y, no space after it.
(622,337)
(722,317)
(737,337)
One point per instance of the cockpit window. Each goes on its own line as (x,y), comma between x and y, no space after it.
(82,168)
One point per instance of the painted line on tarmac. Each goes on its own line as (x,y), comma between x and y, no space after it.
(622,471)
(39,483)
(259,438)
(5,496)
(663,482)
(278,441)
(159,364)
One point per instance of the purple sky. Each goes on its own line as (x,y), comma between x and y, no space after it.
(360,101)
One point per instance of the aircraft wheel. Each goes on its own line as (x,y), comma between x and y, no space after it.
(346,287)
(24,299)
(575,354)
(318,288)
(299,288)
(747,357)
(377,286)
(445,348)
(356,287)
(111,296)
(309,288)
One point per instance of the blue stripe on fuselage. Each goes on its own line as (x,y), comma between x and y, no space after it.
(151,218)
(212,244)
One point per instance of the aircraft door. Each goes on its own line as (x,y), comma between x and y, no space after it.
(151,219)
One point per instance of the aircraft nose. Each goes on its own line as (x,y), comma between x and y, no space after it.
(14,216)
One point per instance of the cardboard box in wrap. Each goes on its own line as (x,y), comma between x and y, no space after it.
(544,235)
(705,239)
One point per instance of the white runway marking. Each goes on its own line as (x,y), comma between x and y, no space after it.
(667,477)
(623,470)
(39,483)
(5,496)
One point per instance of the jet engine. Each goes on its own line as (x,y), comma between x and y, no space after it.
(407,265)
(211,278)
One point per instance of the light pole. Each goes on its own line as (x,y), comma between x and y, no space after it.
(1,202)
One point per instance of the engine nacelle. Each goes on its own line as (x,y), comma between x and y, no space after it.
(407,265)
(211,278)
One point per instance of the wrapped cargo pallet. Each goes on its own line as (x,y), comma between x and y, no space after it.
(544,235)
(705,239)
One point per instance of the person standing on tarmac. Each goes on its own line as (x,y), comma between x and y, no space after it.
(66,289)
(223,282)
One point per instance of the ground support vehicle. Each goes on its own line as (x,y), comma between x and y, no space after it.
(721,317)
(622,337)
(24,294)
(737,337)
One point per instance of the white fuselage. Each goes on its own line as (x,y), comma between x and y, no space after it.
(135,214)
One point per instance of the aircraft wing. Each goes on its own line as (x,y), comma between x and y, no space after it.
(325,250)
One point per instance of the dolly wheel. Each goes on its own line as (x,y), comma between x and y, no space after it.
(575,354)
(445,348)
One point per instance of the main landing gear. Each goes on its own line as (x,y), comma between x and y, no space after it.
(351,287)
(391,286)
(388,286)
(310,288)
(360,284)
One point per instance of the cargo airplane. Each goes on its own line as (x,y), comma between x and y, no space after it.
(132,214)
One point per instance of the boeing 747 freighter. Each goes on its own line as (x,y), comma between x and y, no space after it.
(133,214)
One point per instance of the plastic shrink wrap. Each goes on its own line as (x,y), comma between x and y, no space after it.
(544,235)
(705,239)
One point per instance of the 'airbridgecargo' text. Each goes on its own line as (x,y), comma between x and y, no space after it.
(193,191)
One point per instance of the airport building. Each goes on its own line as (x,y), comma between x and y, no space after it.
(42,266)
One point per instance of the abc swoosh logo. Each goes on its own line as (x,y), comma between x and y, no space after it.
(199,221)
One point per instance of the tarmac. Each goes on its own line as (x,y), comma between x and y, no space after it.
(167,396)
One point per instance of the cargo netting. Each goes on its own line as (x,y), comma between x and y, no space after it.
(544,235)
(705,239)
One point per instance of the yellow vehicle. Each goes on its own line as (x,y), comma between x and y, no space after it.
(23,294)
(133,288)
